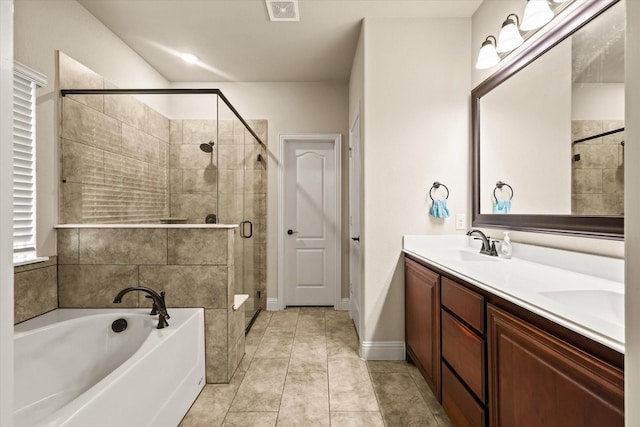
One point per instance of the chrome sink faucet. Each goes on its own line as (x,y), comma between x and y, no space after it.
(488,245)
(159,306)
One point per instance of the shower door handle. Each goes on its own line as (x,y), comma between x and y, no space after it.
(243,225)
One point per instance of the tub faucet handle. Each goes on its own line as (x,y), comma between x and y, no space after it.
(154,309)
(162,321)
(165,305)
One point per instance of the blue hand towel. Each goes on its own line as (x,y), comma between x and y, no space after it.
(502,206)
(439,209)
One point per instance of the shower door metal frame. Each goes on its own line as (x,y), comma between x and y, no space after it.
(65,92)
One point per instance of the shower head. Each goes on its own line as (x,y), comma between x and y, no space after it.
(208,147)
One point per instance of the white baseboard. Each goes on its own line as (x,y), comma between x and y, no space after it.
(344,304)
(382,350)
(273,304)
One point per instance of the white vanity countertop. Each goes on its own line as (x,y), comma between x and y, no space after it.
(584,293)
(146,226)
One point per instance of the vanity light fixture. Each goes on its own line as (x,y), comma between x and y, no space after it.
(509,37)
(536,14)
(488,57)
(189,58)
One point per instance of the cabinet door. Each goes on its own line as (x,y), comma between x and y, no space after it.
(422,321)
(538,380)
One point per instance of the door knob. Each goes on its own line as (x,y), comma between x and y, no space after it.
(290,232)
(356,239)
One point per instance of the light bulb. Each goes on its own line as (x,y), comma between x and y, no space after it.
(536,14)
(509,37)
(487,57)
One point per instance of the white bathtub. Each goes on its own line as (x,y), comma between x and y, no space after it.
(71,369)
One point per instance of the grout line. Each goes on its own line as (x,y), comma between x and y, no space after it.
(375,393)
(286,375)
(244,375)
(326,351)
(425,401)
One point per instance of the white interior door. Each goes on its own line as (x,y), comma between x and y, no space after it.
(355,256)
(310,222)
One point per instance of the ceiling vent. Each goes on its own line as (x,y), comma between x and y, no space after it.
(283,10)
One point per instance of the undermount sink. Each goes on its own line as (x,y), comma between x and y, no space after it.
(461,255)
(597,301)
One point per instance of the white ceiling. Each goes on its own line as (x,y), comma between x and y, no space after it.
(235,40)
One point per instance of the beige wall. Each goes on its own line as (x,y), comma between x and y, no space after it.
(416,131)
(42,28)
(597,101)
(487,20)
(632,215)
(291,108)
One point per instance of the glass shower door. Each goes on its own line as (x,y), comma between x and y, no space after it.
(242,193)
(253,229)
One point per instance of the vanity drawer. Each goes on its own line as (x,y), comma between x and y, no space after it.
(458,403)
(464,352)
(466,304)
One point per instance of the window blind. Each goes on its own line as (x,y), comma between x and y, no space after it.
(25,81)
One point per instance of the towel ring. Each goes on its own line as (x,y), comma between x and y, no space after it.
(437,185)
(499,185)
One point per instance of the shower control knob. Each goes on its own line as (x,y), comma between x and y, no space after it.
(290,232)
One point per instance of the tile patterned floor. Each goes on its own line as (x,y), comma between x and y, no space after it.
(302,368)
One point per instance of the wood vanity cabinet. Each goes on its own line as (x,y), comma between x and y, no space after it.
(422,321)
(537,379)
(493,363)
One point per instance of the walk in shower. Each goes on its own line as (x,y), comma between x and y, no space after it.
(132,156)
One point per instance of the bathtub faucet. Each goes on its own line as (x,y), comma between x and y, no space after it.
(159,306)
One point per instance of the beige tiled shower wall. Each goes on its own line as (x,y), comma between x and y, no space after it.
(114,154)
(35,289)
(193,173)
(598,177)
(194,266)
